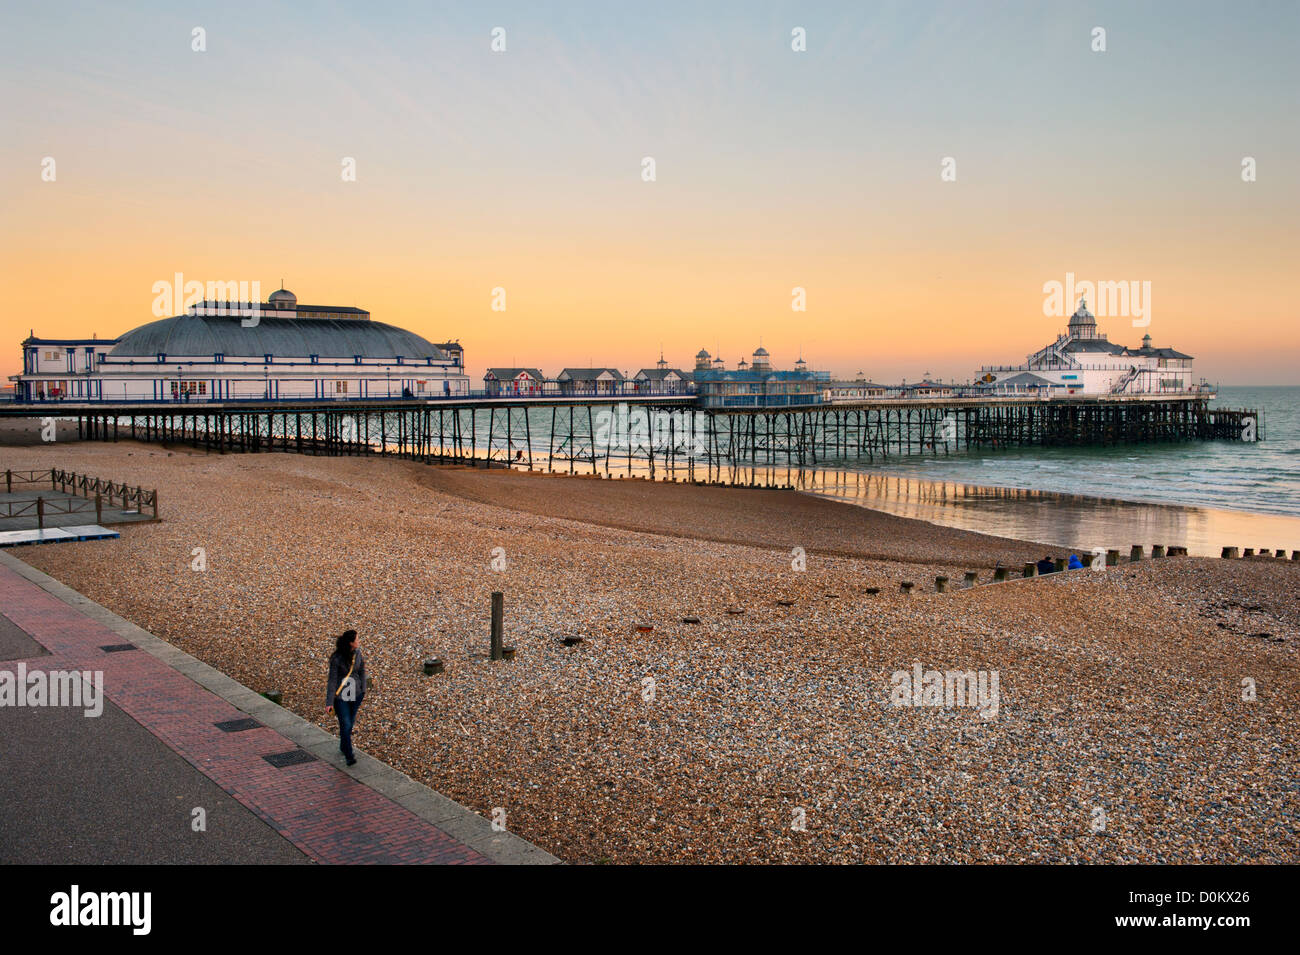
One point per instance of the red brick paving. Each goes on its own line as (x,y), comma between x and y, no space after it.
(326,813)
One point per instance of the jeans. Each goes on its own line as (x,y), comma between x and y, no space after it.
(346,711)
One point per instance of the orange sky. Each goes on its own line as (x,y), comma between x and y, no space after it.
(523,172)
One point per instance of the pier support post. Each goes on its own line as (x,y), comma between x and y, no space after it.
(1157,550)
(1248,552)
(1112,557)
(1135,554)
(498,623)
(1086,560)
(1030,569)
(971,579)
(999,573)
(940,585)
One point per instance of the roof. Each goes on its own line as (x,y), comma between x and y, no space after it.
(33,340)
(751,375)
(588,374)
(1025,378)
(659,374)
(1094,345)
(273,335)
(508,374)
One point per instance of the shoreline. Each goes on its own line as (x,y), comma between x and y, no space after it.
(1059,519)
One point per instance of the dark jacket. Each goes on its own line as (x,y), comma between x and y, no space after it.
(338,670)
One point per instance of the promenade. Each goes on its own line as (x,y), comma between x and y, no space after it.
(177,741)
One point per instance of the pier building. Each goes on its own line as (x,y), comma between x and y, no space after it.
(756,384)
(1083,361)
(218,351)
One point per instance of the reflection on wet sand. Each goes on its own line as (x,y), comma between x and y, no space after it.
(1066,520)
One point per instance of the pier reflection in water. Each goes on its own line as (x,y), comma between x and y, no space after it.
(1066,520)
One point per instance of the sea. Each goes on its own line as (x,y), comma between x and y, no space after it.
(1200,495)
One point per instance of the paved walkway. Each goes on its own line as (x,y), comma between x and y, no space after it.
(176,734)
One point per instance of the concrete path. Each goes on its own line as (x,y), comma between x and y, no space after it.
(176,735)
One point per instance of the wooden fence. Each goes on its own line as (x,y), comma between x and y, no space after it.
(93,489)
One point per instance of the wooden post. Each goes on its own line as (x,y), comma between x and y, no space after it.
(1157,550)
(1030,569)
(940,584)
(498,614)
(40,513)
(1112,557)
(999,573)
(972,577)
(99,509)
(1135,554)
(9,481)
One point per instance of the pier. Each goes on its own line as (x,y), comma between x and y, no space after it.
(662,435)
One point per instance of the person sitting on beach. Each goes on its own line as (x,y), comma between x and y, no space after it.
(1046,566)
(1075,563)
(346,689)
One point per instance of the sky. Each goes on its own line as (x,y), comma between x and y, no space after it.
(821,169)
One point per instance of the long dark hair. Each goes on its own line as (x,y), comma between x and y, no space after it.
(343,645)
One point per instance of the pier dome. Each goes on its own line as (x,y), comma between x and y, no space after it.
(203,336)
(1083,324)
(282,298)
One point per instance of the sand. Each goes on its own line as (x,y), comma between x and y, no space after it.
(769,735)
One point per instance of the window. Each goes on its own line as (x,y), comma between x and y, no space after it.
(162,357)
(268,358)
(218,358)
(357,359)
(340,387)
(315,359)
(399,359)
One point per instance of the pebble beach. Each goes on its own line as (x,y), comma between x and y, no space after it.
(1146,714)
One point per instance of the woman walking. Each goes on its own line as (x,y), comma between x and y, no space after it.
(347,687)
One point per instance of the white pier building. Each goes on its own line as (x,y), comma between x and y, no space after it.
(1084,362)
